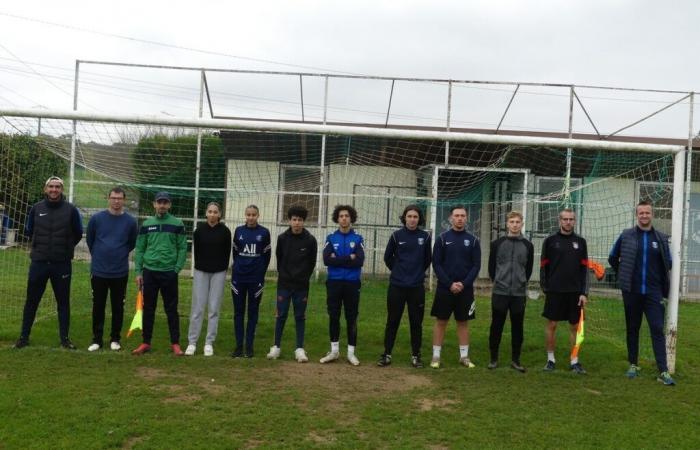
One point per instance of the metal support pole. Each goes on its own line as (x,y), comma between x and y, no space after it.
(388,109)
(524,211)
(322,180)
(74,138)
(198,167)
(449,114)
(301,95)
(433,216)
(688,187)
(676,243)
(38,130)
(567,180)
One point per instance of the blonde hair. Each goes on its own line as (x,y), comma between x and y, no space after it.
(512,214)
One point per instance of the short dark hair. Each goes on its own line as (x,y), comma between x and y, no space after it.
(298,211)
(117,190)
(348,208)
(421,217)
(251,206)
(459,206)
(643,203)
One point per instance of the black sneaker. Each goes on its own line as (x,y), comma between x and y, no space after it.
(515,365)
(248,353)
(578,369)
(384,360)
(492,365)
(416,362)
(68,345)
(237,353)
(550,366)
(21,342)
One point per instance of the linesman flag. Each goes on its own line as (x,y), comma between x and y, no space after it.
(137,322)
(579,337)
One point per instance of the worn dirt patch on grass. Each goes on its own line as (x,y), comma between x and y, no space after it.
(132,441)
(319,438)
(428,404)
(363,381)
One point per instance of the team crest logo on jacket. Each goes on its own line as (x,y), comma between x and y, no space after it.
(655,244)
(352,245)
(421,241)
(258,238)
(575,244)
(466,243)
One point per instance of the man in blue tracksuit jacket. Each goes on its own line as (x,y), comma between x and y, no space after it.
(344,255)
(456,262)
(408,256)
(251,249)
(642,259)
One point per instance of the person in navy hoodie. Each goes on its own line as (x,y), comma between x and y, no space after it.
(251,249)
(111,235)
(344,255)
(456,262)
(408,256)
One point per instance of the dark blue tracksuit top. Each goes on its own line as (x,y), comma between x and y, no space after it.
(649,265)
(456,257)
(408,255)
(342,267)
(251,250)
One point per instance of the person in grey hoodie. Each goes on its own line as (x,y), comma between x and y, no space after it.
(510,267)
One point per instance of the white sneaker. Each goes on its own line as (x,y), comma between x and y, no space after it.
(208,350)
(330,357)
(94,347)
(115,346)
(274,352)
(190,350)
(352,359)
(300,355)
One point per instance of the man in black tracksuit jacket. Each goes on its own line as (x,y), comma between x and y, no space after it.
(564,280)
(510,267)
(642,260)
(408,255)
(55,228)
(296,260)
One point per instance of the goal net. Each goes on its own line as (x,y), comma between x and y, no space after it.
(377,172)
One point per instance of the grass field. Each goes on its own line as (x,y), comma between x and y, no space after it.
(53,398)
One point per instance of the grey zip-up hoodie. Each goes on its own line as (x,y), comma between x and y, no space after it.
(510,265)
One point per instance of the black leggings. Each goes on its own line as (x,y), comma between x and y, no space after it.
(343,295)
(500,305)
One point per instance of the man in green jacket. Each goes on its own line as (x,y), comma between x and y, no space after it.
(161,250)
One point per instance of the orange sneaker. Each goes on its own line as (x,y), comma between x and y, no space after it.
(177,351)
(141,349)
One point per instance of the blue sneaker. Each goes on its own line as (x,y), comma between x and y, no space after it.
(550,366)
(633,371)
(665,378)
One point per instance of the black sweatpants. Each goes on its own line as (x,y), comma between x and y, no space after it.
(117,292)
(40,272)
(652,307)
(166,283)
(343,295)
(396,299)
(500,305)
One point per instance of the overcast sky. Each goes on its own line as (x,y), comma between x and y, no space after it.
(640,44)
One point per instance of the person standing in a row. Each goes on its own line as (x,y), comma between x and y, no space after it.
(111,235)
(408,255)
(55,228)
(211,242)
(510,266)
(251,250)
(161,251)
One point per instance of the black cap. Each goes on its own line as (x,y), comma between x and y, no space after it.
(163,196)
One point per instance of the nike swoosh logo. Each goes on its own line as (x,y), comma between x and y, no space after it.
(401,243)
(42,214)
(448,242)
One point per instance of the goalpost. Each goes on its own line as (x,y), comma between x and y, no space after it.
(378,170)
